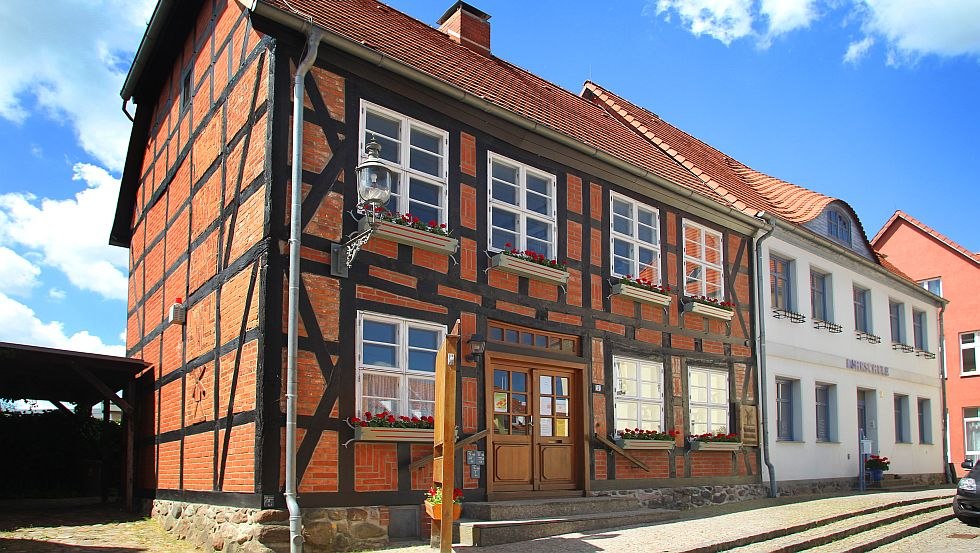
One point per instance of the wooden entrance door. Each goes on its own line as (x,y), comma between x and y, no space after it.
(534,418)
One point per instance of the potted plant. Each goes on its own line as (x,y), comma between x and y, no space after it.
(530,264)
(433,502)
(642,290)
(406,228)
(385,427)
(877,466)
(720,441)
(638,438)
(709,307)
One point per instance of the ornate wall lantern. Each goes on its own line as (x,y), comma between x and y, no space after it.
(373,190)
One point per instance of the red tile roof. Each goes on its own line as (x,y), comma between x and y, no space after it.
(928,230)
(416,44)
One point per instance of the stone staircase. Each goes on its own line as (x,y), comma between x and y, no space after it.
(502,522)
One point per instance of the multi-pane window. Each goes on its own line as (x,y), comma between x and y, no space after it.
(639,394)
(822,393)
(397,364)
(968,352)
(862,309)
(924,409)
(896,318)
(708,394)
(635,236)
(784,409)
(919,330)
(902,419)
(416,155)
(934,285)
(971,431)
(838,226)
(781,276)
(820,296)
(522,207)
(702,262)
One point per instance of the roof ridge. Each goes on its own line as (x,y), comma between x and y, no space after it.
(949,242)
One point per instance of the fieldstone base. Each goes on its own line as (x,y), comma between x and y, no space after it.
(691,497)
(239,530)
(841,485)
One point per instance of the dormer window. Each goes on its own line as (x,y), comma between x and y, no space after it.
(838,226)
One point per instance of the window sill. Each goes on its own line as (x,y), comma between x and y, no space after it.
(904,443)
(829,442)
(969,374)
(784,441)
(927,443)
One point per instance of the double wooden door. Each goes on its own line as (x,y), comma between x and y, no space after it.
(534,420)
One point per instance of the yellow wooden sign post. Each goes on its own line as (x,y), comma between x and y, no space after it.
(444,439)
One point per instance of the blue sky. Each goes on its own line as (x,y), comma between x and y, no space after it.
(871,101)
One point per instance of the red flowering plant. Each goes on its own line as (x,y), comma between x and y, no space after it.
(875,462)
(718,437)
(640,434)
(532,256)
(644,283)
(407,220)
(434,495)
(387,420)
(713,302)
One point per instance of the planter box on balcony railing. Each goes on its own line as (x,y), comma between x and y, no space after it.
(412,236)
(529,269)
(641,295)
(698,445)
(646,444)
(709,310)
(382,434)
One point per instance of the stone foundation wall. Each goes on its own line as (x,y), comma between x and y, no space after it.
(239,530)
(843,485)
(691,497)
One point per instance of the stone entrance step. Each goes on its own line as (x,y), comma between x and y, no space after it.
(545,508)
(496,532)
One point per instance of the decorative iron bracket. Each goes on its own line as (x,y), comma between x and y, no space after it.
(791,315)
(833,328)
(342,255)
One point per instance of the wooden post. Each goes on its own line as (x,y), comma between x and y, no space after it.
(444,439)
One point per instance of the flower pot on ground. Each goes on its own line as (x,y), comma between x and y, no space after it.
(531,265)
(877,465)
(433,502)
(435,511)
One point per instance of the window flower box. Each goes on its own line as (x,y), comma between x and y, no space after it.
(530,269)
(698,445)
(663,445)
(641,295)
(418,238)
(712,311)
(386,434)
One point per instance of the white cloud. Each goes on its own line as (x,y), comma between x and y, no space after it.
(19,324)
(71,59)
(913,28)
(858,49)
(72,234)
(724,20)
(57,294)
(17,275)
(788,15)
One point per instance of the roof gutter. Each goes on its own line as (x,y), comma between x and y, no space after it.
(153,30)
(381,60)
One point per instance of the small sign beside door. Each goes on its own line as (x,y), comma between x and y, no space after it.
(749,419)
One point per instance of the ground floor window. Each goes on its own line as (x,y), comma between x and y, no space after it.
(708,394)
(785,409)
(639,399)
(971,431)
(902,419)
(925,420)
(397,364)
(824,395)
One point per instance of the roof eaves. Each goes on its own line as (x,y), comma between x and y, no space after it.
(935,234)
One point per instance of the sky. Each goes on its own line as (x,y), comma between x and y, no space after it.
(870,101)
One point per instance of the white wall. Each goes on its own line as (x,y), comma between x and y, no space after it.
(802,353)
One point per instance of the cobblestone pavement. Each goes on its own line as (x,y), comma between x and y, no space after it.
(705,526)
(949,537)
(83,530)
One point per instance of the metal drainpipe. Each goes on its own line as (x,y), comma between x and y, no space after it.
(760,337)
(295,214)
(950,477)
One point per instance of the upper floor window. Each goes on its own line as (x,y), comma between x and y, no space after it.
(639,398)
(820,295)
(416,154)
(781,273)
(919,330)
(708,394)
(702,262)
(635,235)
(396,366)
(522,207)
(934,285)
(896,317)
(968,352)
(862,309)
(839,226)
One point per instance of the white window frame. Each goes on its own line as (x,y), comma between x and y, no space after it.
(972,453)
(704,264)
(925,284)
(973,346)
(521,211)
(406,124)
(402,371)
(622,396)
(634,240)
(708,405)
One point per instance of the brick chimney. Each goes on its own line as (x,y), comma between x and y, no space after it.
(467,26)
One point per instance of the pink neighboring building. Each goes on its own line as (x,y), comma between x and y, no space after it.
(950,270)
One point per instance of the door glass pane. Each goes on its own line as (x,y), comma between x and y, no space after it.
(500,380)
(500,402)
(561,406)
(520,425)
(547,429)
(519,382)
(545,406)
(501,424)
(561,427)
(544,385)
(518,403)
(561,386)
